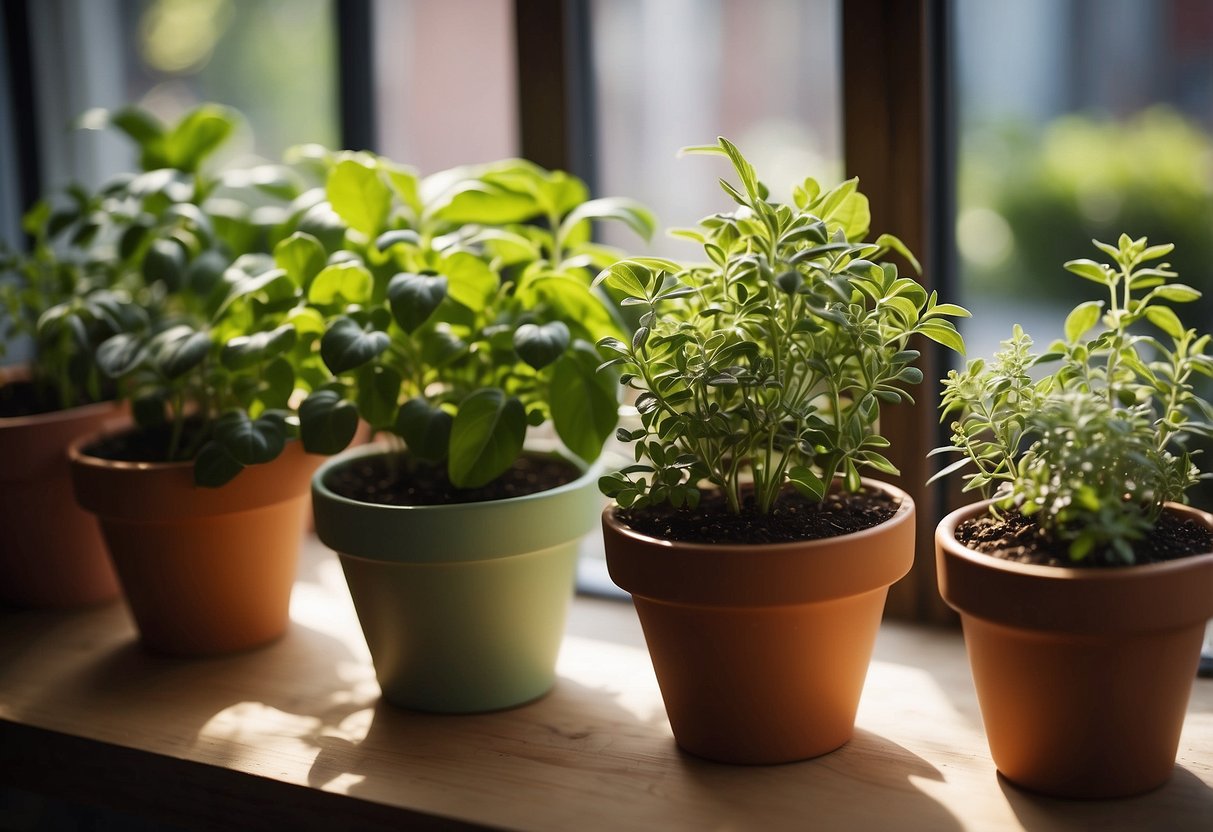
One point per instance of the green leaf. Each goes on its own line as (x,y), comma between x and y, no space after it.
(629,277)
(400,235)
(895,243)
(378,392)
(1166,320)
(327,422)
(539,346)
(583,402)
(470,281)
(943,333)
(251,441)
(1082,318)
(486,437)
(414,297)
(323,223)
(178,350)
(807,482)
(341,284)
(145,129)
(425,429)
(244,351)
(277,384)
(214,466)
(359,196)
(628,211)
(302,258)
(198,135)
(119,354)
(164,262)
(1089,269)
(347,345)
(1177,293)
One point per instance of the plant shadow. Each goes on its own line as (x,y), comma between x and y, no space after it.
(814,793)
(1185,802)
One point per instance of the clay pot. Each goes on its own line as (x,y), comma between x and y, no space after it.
(51,552)
(463,606)
(761,651)
(204,570)
(1083,675)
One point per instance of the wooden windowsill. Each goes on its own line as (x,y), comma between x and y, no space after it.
(295,734)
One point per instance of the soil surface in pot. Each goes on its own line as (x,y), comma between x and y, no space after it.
(793,518)
(1018,538)
(395,480)
(143,445)
(23,398)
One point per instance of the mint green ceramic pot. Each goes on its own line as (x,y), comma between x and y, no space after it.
(463,606)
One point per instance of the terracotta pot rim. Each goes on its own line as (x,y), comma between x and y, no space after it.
(382,449)
(945,535)
(904,506)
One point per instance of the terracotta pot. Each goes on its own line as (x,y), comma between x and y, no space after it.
(761,651)
(51,552)
(1083,675)
(463,606)
(204,570)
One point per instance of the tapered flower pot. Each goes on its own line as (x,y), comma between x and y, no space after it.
(204,570)
(761,651)
(463,606)
(51,552)
(1083,675)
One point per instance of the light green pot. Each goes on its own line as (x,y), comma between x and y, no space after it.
(463,606)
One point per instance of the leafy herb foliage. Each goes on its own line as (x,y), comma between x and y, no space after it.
(1093,450)
(459,311)
(769,363)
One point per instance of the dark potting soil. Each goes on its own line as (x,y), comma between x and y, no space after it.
(1015,537)
(23,398)
(142,445)
(792,518)
(399,481)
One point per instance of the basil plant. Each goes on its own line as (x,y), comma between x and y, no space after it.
(1093,450)
(457,310)
(215,366)
(767,365)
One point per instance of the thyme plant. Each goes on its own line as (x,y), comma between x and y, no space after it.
(1094,450)
(768,364)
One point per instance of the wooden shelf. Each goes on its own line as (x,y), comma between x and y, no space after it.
(295,734)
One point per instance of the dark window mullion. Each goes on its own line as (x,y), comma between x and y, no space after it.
(893,117)
(356,73)
(555,85)
(20,73)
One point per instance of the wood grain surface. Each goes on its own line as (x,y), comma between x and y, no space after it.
(295,734)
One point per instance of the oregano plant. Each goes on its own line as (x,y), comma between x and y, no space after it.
(1093,450)
(767,365)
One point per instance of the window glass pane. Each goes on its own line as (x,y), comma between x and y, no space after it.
(1078,120)
(274,60)
(672,73)
(445,81)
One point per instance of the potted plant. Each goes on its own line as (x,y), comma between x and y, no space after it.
(757,555)
(1082,582)
(472,325)
(211,378)
(75,287)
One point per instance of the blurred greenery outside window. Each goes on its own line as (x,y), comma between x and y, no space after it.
(1078,120)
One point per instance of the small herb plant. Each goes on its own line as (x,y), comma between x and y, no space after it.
(458,312)
(768,364)
(212,374)
(1094,450)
